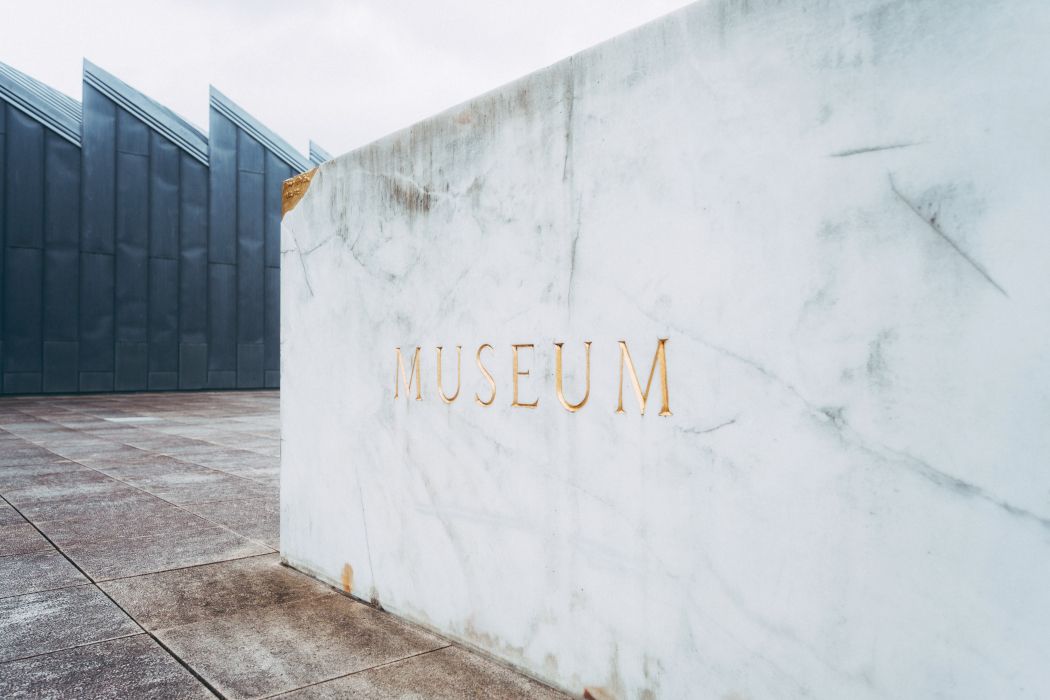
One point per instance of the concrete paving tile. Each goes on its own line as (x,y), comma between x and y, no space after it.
(21,476)
(134,556)
(21,538)
(188,454)
(256,518)
(9,516)
(83,484)
(36,571)
(139,519)
(18,423)
(89,452)
(160,442)
(225,458)
(116,500)
(149,463)
(181,597)
(446,674)
(25,454)
(41,622)
(193,484)
(130,667)
(283,647)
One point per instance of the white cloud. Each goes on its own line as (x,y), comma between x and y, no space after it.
(342,73)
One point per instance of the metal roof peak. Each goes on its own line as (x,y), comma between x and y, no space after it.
(239,116)
(157,116)
(55,110)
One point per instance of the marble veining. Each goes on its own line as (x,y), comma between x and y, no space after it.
(836,215)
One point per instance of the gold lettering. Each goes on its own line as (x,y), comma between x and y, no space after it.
(414,372)
(459,365)
(517,374)
(571,407)
(661,359)
(492,382)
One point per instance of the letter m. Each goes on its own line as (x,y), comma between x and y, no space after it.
(643,396)
(413,374)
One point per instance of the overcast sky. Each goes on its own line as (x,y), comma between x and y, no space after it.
(341,73)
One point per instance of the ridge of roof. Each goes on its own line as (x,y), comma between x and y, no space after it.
(157,116)
(55,110)
(235,113)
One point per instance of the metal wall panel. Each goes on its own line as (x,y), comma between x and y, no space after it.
(163,198)
(97,237)
(23,215)
(222,229)
(131,368)
(60,367)
(272,342)
(25,182)
(251,178)
(99,154)
(96,321)
(163,264)
(61,264)
(23,334)
(222,326)
(61,238)
(193,274)
(163,323)
(132,228)
(193,252)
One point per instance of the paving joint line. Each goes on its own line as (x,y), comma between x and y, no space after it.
(354,673)
(148,493)
(74,646)
(131,617)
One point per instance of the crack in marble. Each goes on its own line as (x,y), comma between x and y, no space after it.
(368,544)
(836,418)
(932,223)
(302,262)
(871,149)
(704,431)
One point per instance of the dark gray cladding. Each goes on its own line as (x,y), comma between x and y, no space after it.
(40,228)
(249,163)
(137,253)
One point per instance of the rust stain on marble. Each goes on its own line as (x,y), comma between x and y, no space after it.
(348,578)
(295,189)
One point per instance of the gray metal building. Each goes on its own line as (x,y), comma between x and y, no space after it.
(137,252)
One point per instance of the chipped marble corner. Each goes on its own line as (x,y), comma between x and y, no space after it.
(295,189)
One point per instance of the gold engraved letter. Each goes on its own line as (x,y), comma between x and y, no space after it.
(517,374)
(459,365)
(571,407)
(661,359)
(492,382)
(414,372)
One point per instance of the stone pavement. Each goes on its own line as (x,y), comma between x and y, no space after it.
(138,557)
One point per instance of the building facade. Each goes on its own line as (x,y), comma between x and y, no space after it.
(138,253)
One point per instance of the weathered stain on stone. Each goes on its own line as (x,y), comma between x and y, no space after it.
(406,193)
(348,578)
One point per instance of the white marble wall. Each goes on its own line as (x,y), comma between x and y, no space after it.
(839,215)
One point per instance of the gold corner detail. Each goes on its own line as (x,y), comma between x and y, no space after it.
(294,190)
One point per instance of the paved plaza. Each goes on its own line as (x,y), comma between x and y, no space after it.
(139,539)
